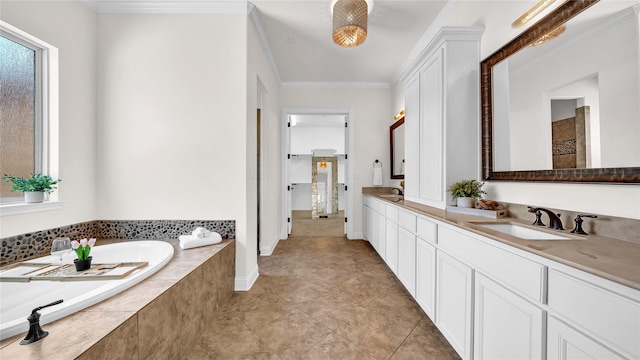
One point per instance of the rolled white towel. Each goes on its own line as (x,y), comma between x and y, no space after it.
(199,233)
(189,241)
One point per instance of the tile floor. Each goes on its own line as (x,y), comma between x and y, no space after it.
(323,298)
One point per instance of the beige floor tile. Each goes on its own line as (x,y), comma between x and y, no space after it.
(397,305)
(323,298)
(374,334)
(359,290)
(332,347)
(293,334)
(420,346)
(330,310)
(299,290)
(257,311)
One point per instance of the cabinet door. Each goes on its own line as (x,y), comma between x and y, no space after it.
(391,248)
(365,223)
(454,306)
(426,276)
(431,89)
(373,229)
(382,235)
(407,260)
(567,343)
(412,139)
(506,326)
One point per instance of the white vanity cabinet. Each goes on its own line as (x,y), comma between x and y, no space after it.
(427,232)
(454,302)
(593,315)
(407,250)
(506,326)
(441,116)
(492,300)
(391,256)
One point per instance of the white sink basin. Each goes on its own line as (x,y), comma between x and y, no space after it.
(524,232)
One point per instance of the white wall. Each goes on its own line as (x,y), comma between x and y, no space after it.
(372,116)
(305,139)
(71,27)
(173,122)
(259,71)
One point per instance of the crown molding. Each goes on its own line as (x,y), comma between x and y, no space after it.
(169,7)
(262,37)
(334,85)
(447,33)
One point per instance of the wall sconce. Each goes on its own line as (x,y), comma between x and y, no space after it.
(533,12)
(323,165)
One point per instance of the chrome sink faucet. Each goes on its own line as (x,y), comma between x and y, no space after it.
(554,219)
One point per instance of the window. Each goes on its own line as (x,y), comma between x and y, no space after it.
(28,106)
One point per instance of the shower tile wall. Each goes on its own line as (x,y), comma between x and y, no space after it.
(35,244)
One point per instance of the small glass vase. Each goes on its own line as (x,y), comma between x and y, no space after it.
(82,265)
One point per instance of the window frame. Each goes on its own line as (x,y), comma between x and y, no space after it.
(46,112)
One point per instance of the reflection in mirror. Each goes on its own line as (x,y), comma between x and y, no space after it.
(324,186)
(567,109)
(397,149)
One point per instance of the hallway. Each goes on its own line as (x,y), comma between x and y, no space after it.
(323,298)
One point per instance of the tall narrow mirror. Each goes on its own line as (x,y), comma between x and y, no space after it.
(324,186)
(397,149)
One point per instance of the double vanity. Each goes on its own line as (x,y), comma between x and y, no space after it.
(505,289)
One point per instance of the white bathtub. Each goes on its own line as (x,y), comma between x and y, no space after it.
(17,299)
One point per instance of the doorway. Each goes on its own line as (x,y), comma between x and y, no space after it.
(316,172)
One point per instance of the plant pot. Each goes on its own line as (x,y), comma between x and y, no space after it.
(33,196)
(82,265)
(466,202)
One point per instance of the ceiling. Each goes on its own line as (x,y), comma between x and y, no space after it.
(298,38)
(299,35)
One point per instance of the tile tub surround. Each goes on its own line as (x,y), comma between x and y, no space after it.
(35,244)
(159,318)
(614,259)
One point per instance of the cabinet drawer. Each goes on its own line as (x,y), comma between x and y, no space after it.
(522,275)
(609,317)
(407,220)
(427,230)
(392,213)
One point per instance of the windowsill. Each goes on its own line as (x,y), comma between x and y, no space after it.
(24,208)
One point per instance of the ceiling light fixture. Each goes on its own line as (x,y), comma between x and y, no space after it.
(533,12)
(350,19)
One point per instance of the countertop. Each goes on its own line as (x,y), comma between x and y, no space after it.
(612,259)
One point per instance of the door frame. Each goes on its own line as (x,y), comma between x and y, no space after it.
(286,171)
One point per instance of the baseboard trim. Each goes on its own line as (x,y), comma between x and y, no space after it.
(268,250)
(245,283)
(356,235)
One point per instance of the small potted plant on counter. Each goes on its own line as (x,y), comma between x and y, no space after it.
(34,187)
(465,192)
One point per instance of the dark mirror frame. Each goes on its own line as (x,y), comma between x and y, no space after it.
(391,130)
(607,175)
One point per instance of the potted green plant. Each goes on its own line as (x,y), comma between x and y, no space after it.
(465,192)
(33,187)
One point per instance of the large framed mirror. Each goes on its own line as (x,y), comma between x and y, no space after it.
(396,148)
(589,74)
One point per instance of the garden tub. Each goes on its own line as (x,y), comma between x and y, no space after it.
(18,299)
